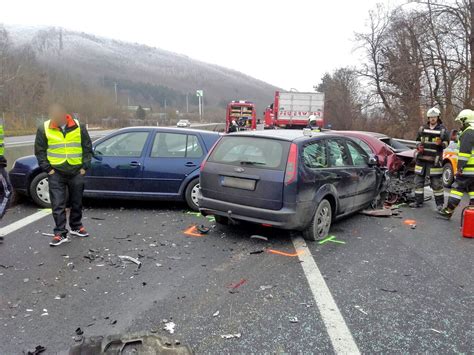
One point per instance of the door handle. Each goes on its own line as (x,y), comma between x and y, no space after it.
(190,164)
(135,164)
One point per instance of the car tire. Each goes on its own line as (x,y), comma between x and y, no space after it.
(221,220)
(39,190)
(448,174)
(321,223)
(191,194)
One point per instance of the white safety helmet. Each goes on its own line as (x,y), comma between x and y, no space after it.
(465,117)
(312,118)
(433,112)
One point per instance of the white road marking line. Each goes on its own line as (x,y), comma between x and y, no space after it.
(340,335)
(24,221)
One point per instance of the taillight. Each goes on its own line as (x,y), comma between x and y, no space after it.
(204,161)
(291,165)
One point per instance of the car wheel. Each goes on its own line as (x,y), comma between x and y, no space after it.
(39,190)
(319,226)
(191,194)
(221,220)
(448,174)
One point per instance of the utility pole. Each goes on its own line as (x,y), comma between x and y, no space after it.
(200,95)
(116,95)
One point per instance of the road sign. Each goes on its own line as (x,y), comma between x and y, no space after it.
(199,93)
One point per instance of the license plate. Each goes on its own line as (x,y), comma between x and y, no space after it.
(244,184)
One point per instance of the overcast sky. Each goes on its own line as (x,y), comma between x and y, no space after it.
(290,44)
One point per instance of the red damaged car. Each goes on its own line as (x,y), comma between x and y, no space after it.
(392,154)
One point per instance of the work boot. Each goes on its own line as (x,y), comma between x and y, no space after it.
(439,207)
(81,232)
(59,239)
(446,213)
(415,205)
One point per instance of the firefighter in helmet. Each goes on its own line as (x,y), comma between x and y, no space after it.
(464,178)
(313,124)
(433,137)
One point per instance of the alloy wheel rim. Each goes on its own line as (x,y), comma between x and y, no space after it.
(324,221)
(447,175)
(42,190)
(194,194)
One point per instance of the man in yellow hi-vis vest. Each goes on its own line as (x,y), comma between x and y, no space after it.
(464,179)
(64,150)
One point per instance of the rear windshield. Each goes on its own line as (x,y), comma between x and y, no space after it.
(251,151)
(397,146)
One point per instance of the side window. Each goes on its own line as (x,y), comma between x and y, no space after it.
(314,155)
(358,159)
(128,144)
(338,154)
(169,145)
(363,145)
(193,148)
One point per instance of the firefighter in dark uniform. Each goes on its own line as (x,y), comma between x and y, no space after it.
(464,178)
(433,137)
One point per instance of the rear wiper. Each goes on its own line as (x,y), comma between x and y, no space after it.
(248,162)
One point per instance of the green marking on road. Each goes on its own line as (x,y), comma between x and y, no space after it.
(331,238)
(198,214)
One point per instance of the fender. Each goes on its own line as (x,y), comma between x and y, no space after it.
(309,210)
(324,191)
(191,176)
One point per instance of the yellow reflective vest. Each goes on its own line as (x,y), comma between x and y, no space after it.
(467,157)
(63,148)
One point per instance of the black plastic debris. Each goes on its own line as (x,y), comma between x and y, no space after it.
(388,290)
(38,350)
(203,229)
(257,251)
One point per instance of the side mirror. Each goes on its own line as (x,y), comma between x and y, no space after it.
(96,155)
(373,160)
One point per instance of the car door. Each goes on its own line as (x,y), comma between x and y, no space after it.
(367,186)
(171,159)
(117,164)
(340,164)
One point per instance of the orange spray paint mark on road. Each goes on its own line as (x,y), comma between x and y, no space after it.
(282,253)
(193,232)
(409,222)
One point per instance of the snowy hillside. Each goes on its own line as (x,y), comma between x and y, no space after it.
(94,58)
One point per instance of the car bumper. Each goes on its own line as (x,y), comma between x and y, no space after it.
(295,217)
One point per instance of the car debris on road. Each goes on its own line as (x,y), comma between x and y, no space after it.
(231,336)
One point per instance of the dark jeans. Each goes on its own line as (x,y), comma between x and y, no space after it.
(59,184)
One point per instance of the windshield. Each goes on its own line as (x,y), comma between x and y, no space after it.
(262,152)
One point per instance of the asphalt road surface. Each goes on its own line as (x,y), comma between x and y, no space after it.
(378,287)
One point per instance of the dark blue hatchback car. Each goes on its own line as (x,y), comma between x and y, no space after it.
(288,179)
(136,162)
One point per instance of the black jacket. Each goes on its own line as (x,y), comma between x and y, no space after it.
(41,145)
